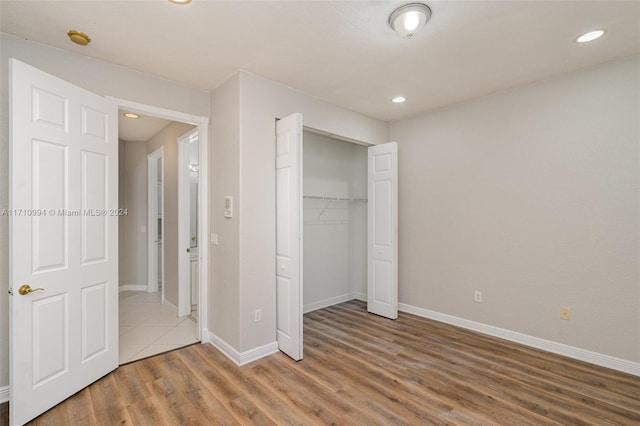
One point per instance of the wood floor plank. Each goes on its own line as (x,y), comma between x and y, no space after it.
(543,403)
(108,405)
(489,357)
(361,369)
(79,412)
(294,397)
(392,388)
(196,392)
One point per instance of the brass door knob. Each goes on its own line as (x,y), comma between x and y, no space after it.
(26,289)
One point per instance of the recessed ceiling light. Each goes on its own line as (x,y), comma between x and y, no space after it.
(398,99)
(180,1)
(409,19)
(590,36)
(131,115)
(79,37)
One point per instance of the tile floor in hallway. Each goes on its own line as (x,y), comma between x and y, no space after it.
(148,328)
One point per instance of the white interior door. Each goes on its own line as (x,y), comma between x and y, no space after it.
(185,144)
(289,235)
(382,268)
(64,230)
(154,219)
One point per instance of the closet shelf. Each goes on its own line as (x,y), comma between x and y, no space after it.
(323,197)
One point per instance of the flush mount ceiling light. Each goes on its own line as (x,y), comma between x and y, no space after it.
(180,1)
(591,35)
(398,99)
(131,115)
(409,19)
(79,37)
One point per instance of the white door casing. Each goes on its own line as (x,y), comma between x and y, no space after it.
(64,230)
(289,235)
(203,204)
(382,246)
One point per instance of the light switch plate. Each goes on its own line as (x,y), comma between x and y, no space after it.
(228,206)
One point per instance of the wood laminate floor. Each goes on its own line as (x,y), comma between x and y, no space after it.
(360,369)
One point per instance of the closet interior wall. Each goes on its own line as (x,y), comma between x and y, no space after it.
(335,229)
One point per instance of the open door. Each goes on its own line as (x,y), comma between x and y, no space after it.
(63,243)
(188,178)
(289,235)
(155,255)
(382,268)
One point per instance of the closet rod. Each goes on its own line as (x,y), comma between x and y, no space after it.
(322,197)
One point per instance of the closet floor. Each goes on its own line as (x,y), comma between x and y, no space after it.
(147,327)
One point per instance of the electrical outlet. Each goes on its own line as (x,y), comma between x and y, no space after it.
(257,315)
(478,296)
(564,313)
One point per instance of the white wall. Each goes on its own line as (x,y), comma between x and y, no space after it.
(168,138)
(101,78)
(335,239)
(224,160)
(532,197)
(133,242)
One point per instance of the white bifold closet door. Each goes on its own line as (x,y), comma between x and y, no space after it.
(382,234)
(289,235)
(382,287)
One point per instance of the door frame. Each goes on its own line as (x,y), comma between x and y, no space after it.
(153,211)
(184,216)
(203,194)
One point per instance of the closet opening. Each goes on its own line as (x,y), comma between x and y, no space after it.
(336,226)
(334,207)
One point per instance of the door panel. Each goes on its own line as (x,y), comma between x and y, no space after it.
(94,202)
(50,354)
(94,124)
(289,235)
(95,305)
(382,287)
(49,246)
(50,109)
(63,242)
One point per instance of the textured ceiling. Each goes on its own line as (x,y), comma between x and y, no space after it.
(340,51)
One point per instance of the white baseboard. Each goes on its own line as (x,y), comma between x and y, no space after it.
(132,287)
(242,358)
(559,348)
(171,306)
(4,394)
(256,353)
(359,296)
(310,307)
